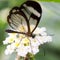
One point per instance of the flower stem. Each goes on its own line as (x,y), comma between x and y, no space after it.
(17,57)
(26,58)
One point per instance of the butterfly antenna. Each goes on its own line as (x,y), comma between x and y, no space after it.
(11,31)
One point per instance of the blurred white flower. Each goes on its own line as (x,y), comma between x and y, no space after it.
(9,50)
(24,44)
(41,31)
(34,42)
(10,38)
(22,51)
(43,39)
(35,50)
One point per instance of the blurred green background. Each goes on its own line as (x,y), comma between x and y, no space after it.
(50,19)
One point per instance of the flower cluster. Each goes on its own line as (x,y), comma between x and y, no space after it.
(23,44)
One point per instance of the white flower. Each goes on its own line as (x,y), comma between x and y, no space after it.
(41,31)
(22,51)
(35,50)
(23,44)
(34,42)
(43,39)
(8,40)
(9,50)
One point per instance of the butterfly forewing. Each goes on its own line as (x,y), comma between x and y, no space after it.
(33,12)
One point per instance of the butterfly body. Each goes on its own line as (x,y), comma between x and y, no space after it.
(28,13)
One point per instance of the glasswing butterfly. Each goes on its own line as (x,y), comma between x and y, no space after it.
(28,13)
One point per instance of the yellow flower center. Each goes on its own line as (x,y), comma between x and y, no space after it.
(17,44)
(11,40)
(34,40)
(26,42)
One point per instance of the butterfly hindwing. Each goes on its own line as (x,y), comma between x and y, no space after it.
(17,18)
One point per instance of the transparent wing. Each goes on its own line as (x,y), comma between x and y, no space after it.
(33,12)
(17,20)
(26,17)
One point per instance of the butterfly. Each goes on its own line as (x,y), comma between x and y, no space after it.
(28,13)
